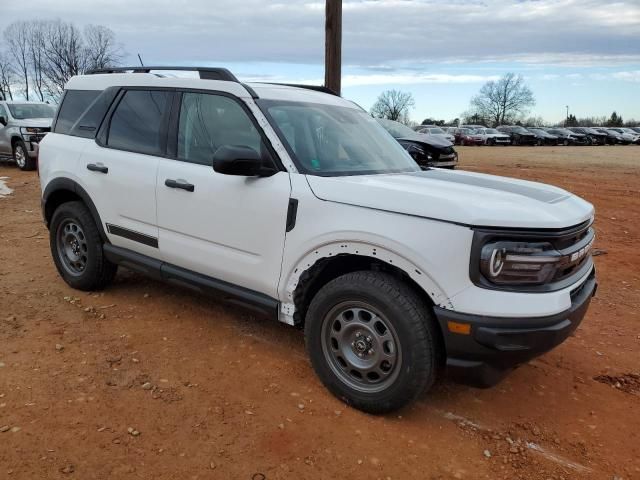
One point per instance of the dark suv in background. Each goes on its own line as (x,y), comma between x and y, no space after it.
(567,137)
(543,137)
(592,136)
(426,150)
(519,135)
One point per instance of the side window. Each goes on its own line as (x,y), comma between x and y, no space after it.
(136,122)
(74,104)
(207,122)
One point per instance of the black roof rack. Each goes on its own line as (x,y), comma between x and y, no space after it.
(206,73)
(317,88)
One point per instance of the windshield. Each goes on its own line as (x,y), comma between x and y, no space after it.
(22,111)
(563,131)
(329,140)
(520,130)
(437,131)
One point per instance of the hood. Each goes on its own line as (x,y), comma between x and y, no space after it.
(33,122)
(433,140)
(459,197)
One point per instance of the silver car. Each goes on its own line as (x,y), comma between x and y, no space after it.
(22,126)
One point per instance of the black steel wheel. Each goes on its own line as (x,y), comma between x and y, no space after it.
(372,341)
(76,247)
(361,346)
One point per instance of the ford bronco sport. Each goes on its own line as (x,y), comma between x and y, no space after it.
(295,202)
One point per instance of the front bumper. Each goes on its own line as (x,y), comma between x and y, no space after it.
(496,345)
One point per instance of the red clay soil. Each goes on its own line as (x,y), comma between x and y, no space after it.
(145,380)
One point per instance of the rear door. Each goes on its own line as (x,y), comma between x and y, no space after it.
(119,169)
(227,227)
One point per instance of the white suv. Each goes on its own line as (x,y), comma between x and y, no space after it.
(298,204)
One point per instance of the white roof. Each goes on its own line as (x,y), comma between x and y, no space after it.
(264,91)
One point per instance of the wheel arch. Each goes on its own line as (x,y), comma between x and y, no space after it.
(330,261)
(63,190)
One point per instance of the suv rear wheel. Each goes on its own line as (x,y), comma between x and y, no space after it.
(76,247)
(21,156)
(372,341)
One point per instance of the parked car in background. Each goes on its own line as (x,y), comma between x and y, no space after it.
(467,136)
(567,137)
(635,136)
(426,150)
(519,135)
(593,136)
(491,136)
(543,137)
(635,129)
(437,131)
(612,138)
(627,138)
(22,126)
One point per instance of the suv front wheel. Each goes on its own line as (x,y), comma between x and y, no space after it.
(76,247)
(372,341)
(21,156)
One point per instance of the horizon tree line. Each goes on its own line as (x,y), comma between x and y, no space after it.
(507,100)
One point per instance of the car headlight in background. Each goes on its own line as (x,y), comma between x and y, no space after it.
(33,134)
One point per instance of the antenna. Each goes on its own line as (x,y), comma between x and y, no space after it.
(140,58)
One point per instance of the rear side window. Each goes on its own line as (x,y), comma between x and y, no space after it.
(74,104)
(137,121)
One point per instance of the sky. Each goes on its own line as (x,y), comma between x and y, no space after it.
(580,53)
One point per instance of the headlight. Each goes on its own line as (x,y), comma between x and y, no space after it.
(549,262)
(31,130)
(517,263)
(33,134)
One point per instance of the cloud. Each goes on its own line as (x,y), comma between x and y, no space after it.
(376,32)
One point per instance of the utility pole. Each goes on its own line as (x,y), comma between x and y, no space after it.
(333,45)
(566,122)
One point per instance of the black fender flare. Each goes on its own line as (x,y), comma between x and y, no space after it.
(66,184)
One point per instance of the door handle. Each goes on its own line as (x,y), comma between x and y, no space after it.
(97,167)
(179,184)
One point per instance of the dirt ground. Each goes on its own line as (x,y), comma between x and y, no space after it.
(145,380)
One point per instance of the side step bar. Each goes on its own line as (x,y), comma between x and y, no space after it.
(210,286)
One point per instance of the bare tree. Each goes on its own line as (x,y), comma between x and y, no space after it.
(17,37)
(64,54)
(6,77)
(393,105)
(101,49)
(504,100)
(36,46)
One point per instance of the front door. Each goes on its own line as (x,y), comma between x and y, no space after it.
(231,228)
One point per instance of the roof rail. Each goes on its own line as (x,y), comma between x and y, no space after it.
(317,88)
(206,73)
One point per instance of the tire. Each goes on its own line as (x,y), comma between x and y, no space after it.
(374,315)
(76,247)
(539,142)
(566,143)
(21,156)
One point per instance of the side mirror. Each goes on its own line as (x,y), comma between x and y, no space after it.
(239,160)
(3,120)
